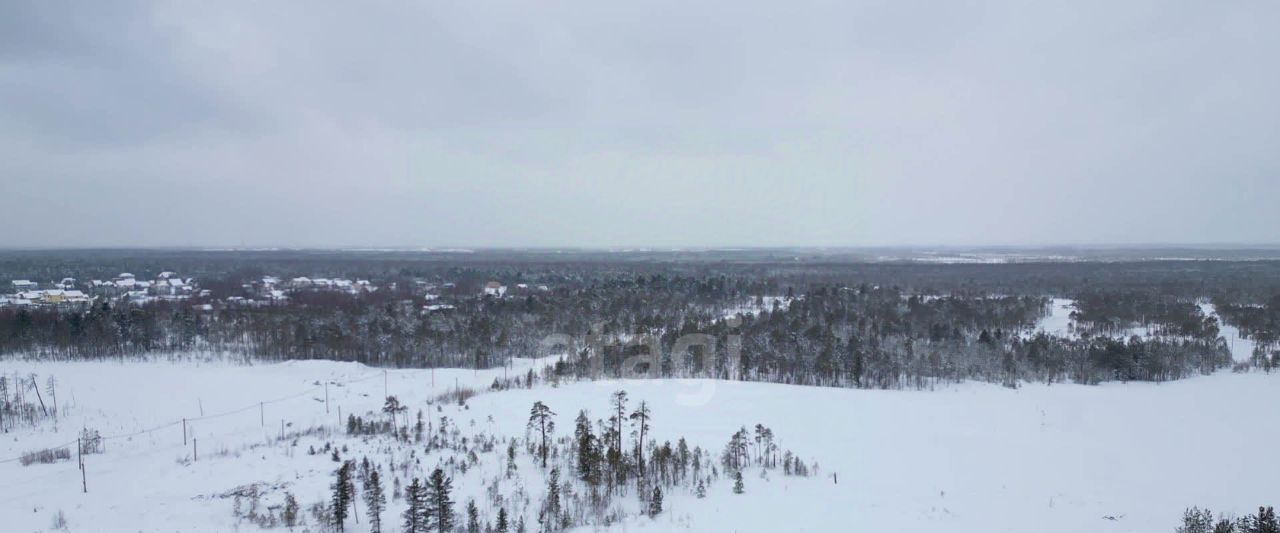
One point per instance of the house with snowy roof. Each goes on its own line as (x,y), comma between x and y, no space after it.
(494,288)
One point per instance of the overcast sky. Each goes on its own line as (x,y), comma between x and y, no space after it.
(717,123)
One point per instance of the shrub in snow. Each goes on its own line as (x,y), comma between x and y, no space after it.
(47,456)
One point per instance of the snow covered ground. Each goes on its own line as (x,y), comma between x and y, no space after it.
(1058,321)
(972,457)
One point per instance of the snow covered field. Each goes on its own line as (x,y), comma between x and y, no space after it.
(1058,321)
(973,457)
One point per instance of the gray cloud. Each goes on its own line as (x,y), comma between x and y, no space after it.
(654,124)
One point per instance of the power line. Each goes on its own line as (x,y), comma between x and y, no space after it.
(206,417)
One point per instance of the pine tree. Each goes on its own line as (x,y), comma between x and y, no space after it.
(540,419)
(701,490)
(393,407)
(640,418)
(682,459)
(289,515)
(552,505)
(588,451)
(737,482)
(374,500)
(473,517)
(439,506)
(1195,520)
(416,519)
(619,402)
(502,526)
(343,492)
(364,470)
(1266,521)
(655,502)
(735,453)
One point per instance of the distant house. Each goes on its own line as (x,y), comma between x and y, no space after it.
(61,297)
(20,285)
(172,286)
(494,288)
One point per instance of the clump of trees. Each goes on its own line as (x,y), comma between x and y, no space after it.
(602,471)
(877,337)
(1196,520)
(1259,322)
(1115,312)
(22,402)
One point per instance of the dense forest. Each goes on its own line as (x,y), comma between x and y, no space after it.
(815,321)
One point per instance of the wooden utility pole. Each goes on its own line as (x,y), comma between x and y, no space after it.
(36,386)
(195,449)
(184,432)
(84,483)
(262,417)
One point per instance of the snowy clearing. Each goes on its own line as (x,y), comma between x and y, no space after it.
(972,457)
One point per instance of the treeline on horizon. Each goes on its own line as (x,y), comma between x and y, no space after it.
(847,325)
